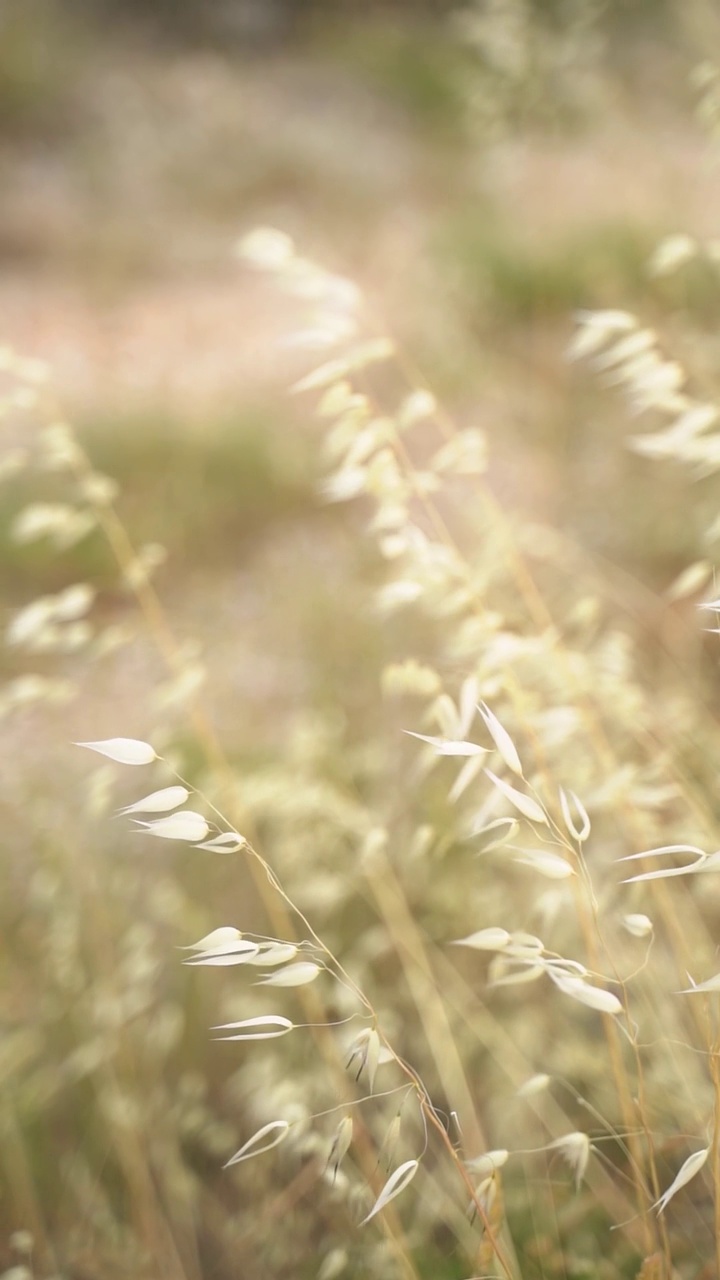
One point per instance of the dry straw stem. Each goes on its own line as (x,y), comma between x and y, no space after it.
(459,996)
(364,1144)
(715,1142)
(150,606)
(539,613)
(537,813)
(434,994)
(171,1244)
(439,1036)
(157,1236)
(279,907)
(131,757)
(670,914)
(394,907)
(689,441)
(667,912)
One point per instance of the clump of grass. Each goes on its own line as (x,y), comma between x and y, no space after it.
(521,833)
(481,922)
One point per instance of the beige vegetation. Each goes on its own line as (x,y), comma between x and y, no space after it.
(128,176)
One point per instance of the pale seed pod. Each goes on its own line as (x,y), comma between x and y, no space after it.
(688,1170)
(639,925)
(396,1183)
(340,1145)
(123,750)
(575,1150)
(365,1050)
(582,832)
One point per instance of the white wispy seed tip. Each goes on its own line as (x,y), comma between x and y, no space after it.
(123,750)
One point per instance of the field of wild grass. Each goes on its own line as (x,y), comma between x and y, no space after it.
(359,520)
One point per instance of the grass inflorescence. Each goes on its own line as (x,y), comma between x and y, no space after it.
(451,890)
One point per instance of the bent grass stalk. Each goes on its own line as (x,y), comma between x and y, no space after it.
(122,545)
(149,603)
(393,906)
(278,905)
(539,612)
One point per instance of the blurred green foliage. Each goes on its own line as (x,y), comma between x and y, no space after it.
(526,282)
(42,51)
(203,490)
(425,77)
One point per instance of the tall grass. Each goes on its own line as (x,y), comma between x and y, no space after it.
(497,1042)
(466,907)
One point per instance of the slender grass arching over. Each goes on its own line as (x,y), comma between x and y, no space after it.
(416,975)
(527,861)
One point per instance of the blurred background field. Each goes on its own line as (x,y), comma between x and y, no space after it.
(480,193)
